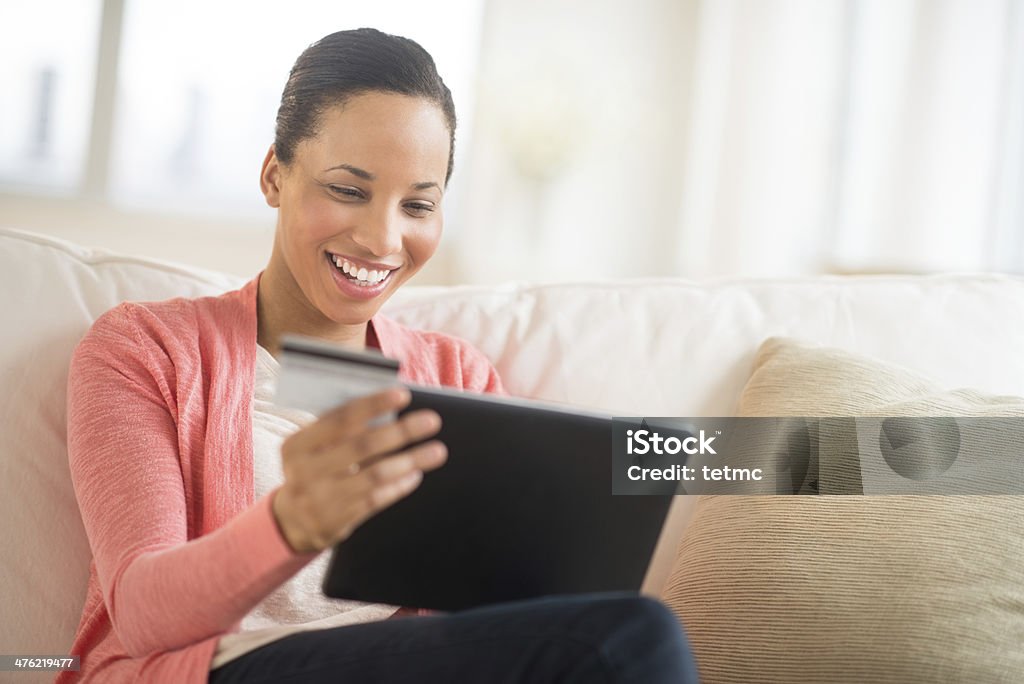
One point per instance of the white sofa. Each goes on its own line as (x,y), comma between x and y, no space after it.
(642,347)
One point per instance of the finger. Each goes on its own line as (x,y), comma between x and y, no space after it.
(430,455)
(388,493)
(423,457)
(370,445)
(347,418)
(377,497)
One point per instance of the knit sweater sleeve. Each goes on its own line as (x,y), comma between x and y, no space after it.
(162,590)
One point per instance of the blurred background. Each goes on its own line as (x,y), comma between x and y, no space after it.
(600,139)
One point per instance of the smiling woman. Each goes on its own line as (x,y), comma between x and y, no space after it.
(208,507)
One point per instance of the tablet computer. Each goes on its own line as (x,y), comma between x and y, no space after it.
(523,508)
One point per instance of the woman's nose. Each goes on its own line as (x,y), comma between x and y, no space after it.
(380,233)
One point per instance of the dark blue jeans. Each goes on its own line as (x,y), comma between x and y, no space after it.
(590,638)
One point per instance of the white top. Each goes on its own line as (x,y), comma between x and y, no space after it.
(299,604)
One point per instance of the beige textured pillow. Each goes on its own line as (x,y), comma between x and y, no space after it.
(853,589)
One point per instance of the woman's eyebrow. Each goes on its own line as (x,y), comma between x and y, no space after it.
(354,170)
(366,175)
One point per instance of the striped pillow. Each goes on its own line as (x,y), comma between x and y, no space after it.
(857,588)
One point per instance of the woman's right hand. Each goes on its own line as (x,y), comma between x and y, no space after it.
(343,468)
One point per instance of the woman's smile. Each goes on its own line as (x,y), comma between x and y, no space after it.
(364,280)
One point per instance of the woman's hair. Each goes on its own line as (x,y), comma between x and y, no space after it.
(349,63)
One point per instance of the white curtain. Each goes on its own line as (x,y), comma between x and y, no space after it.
(857,135)
(751,138)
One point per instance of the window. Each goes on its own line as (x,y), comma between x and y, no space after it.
(48,84)
(197,86)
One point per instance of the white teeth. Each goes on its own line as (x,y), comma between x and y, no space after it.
(361,275)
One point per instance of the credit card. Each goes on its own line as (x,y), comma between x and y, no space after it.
(317,376)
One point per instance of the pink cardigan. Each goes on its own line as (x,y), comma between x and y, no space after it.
(160,449)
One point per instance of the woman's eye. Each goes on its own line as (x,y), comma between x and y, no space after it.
(419,209)
(346,191)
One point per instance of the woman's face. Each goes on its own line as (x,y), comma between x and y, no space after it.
(360,203)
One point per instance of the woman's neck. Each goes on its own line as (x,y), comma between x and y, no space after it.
(282,308)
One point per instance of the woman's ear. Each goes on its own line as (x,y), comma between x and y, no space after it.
(270,179)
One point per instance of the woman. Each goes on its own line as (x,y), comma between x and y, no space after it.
(207,508)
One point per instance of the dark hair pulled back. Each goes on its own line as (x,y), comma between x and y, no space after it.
(349,63)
